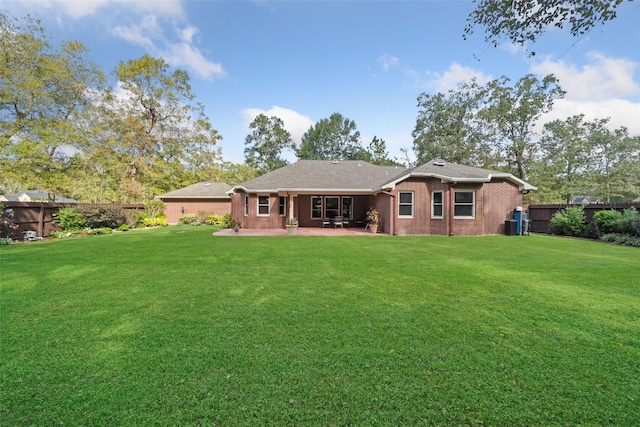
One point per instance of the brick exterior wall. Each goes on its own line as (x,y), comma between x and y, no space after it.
(173,207)
(494,203)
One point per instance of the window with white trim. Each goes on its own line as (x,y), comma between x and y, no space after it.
(282,206)
(246,205)
(331,207)
(464,204)
(405,204)
(263,205)
(437,204)
(316,208)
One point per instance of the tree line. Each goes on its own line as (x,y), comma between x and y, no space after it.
(65,128)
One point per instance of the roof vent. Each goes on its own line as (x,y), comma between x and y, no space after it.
(206,184)
(335,162)
(438,162)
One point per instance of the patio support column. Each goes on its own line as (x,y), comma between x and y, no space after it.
(290,206)
(451,210)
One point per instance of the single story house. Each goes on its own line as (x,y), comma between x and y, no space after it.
(588,200)
(436,198)
(210,197)
(34,196)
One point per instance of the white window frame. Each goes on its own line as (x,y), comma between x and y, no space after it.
(412,204)
(246,205)
(337,209)
(259,205)
(321,208)
(472,204)
(434,204)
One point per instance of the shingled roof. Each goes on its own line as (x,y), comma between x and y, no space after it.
(322,175)
(201,190)
(450,172)
(359,176)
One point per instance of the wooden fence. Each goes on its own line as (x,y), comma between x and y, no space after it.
(38,216)
(540,215)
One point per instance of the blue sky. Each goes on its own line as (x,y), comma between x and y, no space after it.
(368,60)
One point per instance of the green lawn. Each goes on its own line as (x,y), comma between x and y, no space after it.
(173,326)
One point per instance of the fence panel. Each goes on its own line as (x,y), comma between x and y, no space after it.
(38,216)
(540,215)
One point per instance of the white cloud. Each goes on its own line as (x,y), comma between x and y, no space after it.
(296,123)
(450,78)
(621,111)
(603,88)
(387,61)
(602,78)
(150,35)
(77,9)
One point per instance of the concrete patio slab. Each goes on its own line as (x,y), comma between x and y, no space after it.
(302,231)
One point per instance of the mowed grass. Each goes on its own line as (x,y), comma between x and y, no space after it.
(174,326)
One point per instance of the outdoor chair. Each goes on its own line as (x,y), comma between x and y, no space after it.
(326,222)
(337,222)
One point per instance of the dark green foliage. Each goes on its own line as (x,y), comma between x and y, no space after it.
(69,219)
(622,239)
(570,221)
(102,216)
(606,221)
(188,219)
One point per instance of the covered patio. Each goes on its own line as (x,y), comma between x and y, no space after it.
(301,231)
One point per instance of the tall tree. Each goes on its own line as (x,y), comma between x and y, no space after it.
(525,20)
(510,113)
(265,144)
(44,91)
(154,131)
(616,158)
(561,174)
(447,127)
(377,153)
(335,138)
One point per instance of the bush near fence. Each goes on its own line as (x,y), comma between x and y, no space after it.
(39,216)
(540,215)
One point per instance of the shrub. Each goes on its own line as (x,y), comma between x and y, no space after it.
(622,239)
(69,219)
(123,227)
(635,225)
(625,224)
(159,221)
(132,218)
(154,208)
(188,219)
(223,221)
(606,221)
(569,222)
(103,216)
(202,216)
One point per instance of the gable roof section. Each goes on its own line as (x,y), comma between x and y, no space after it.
(323,175)
(450,172)
(201,190)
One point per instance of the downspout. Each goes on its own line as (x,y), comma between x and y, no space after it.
(451,200)
(392,223)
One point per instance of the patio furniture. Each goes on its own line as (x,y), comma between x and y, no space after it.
(326,222)
(337,222)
